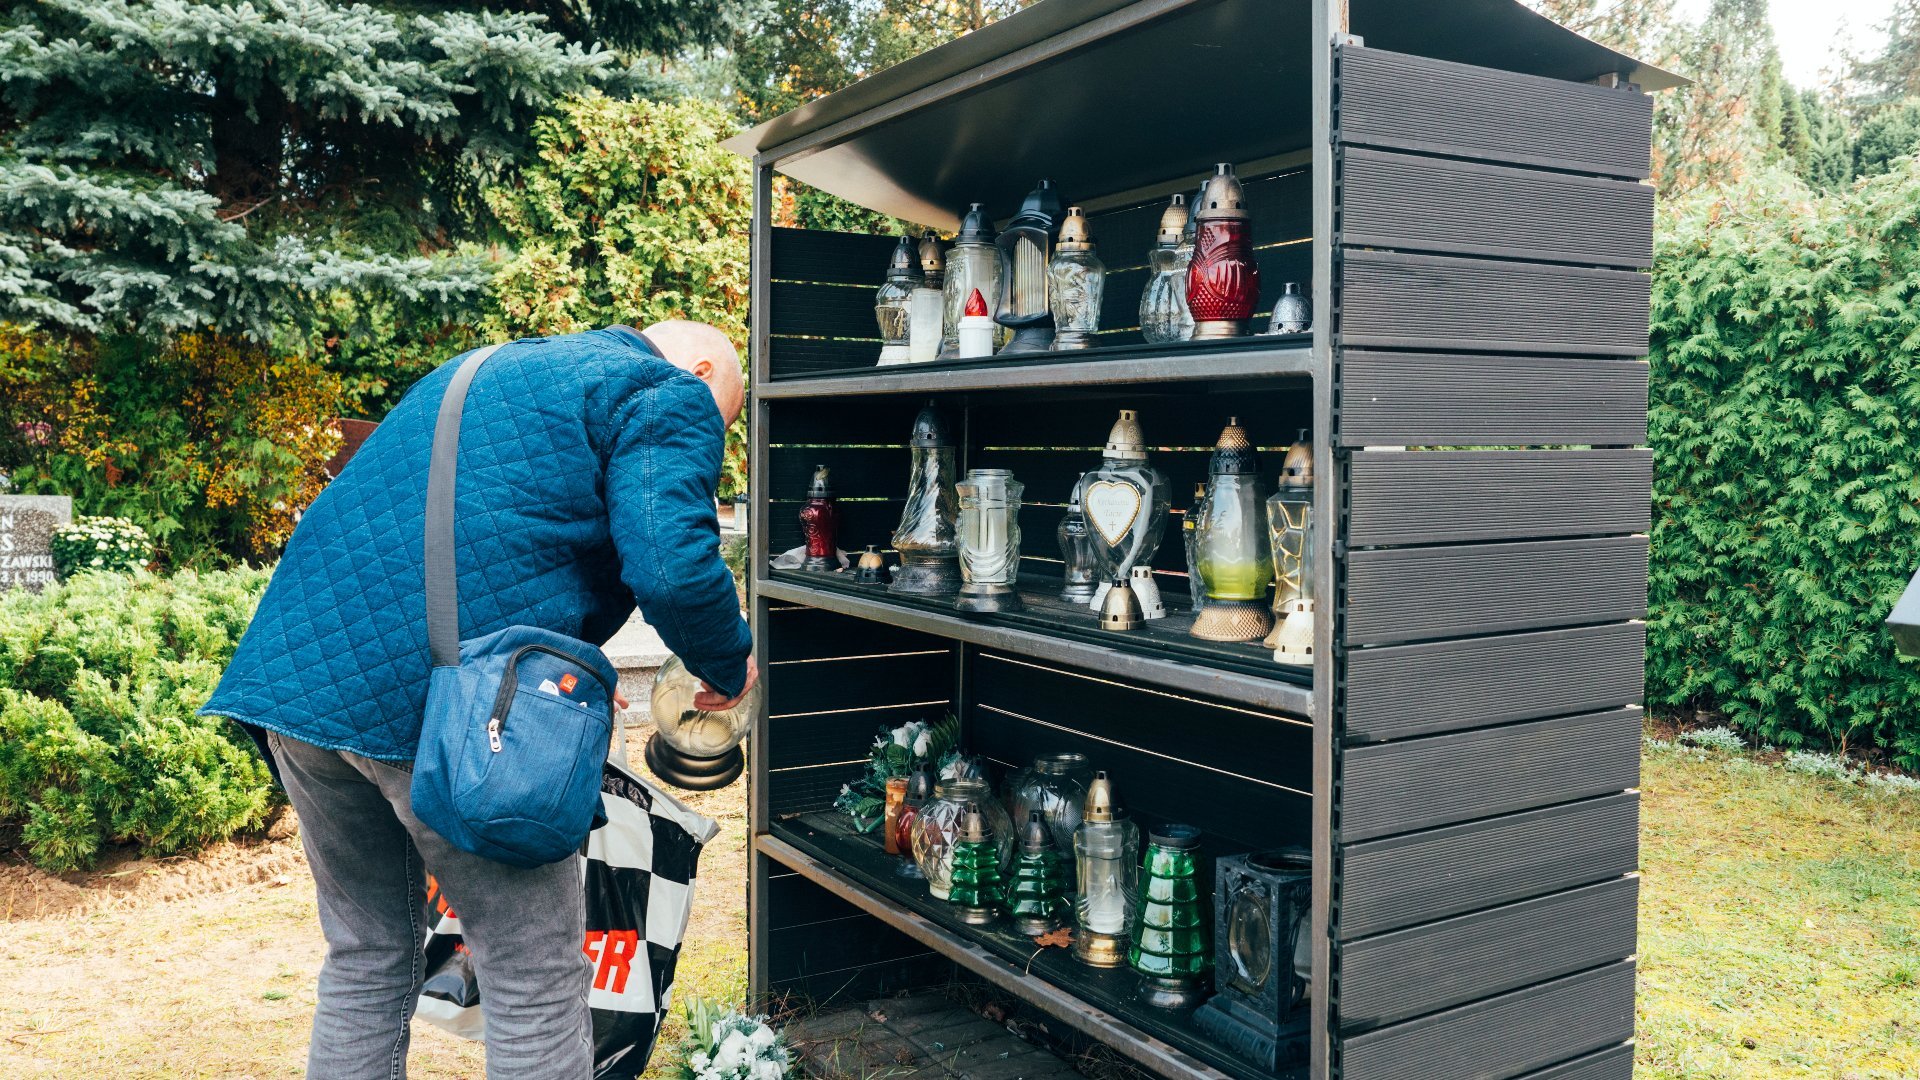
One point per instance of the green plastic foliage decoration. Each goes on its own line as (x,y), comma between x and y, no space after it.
(1785,421)
(99,744)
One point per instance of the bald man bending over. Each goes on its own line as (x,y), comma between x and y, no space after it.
(585,486)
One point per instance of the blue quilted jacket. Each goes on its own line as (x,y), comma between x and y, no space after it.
(585,485)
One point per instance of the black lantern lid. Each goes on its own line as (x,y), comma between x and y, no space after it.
(973,825)
(1034,836)
(1233,452)
(930,430)
(820,488)
(1174,837)
(1040,209)
(901,267)
(1222,198)
(976,227)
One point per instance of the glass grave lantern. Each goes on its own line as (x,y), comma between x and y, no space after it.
(926,305)
(973,262)
(1076,553)
(893,304)
(1223,281)
(1263,955)
(1038,896)
(820,524)
(1231,548)
(1169,945)
(1125,501)
(1106,857)
(1026,248)
(937,827)
(928,535)
(1054,786)
(977,884)
(1189,525)
(1076,281)
(1163,303)
(989,537)
(1290,525)
(691,748)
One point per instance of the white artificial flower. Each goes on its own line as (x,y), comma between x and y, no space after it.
(903,738)
(762,1037)
(769,1070)
(699,1061)
(102,545)
(923,745)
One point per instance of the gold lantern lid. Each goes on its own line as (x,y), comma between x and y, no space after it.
(1173,222)
(1297,469)
(1125,441)
(1073,232)
(1233,452)
(1099,808)
(973,826)
(1035,836)
(933,260)
(1222,199)
(871,559)
(1121,609)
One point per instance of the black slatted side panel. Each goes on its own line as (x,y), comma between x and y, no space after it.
(1426,399)
(1400,301)
(1422,783)
(1412,203)
(1407,102)
(830,257)
(1411,594)
(856,472)
(796,356)
(819,946)
(1613,1063)
(1240,775)
(1408,973)
(807,309)
(1407,880)
(833,682)
(1505,1036)
(1409,690)
(1456,496)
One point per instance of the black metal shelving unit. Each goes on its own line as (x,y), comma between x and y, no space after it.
(1464,187)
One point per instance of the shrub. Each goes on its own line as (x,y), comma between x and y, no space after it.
(1831,766)
(1723,739)
(1785,423)
(105,544)
(99,744)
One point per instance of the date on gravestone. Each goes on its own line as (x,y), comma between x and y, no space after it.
(27,523)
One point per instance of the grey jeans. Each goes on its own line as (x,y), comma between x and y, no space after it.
(370,857)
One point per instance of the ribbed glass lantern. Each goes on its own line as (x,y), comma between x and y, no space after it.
(1026,247)
(1163,303)
(1170,948)
(1076,282)
(1290,528)
(989,537)
(927,537)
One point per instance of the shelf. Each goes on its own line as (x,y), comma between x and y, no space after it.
(1160,653)
(1253,357)
(1099,1003)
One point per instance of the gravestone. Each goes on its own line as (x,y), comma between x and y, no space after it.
(27,523)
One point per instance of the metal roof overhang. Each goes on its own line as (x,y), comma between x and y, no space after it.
(1124,96)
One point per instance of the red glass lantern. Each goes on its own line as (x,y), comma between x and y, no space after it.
(820,524)
(1223,281)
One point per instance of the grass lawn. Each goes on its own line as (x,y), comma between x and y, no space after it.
(1777,910)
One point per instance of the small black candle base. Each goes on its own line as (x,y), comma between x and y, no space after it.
(1171,993)
(691,773)
(926,575)
(987,598)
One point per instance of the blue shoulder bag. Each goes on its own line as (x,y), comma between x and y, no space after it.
(517,722)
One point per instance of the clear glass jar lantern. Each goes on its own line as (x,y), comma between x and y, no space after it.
(972,263)
(1126,501)
(989,537)
(690,748)
(1290,529)
(1076,555)
(937,826)
(1164,316)
(1231,548)
(1055,785)
(892,305)
(1076,281)
(1106,856)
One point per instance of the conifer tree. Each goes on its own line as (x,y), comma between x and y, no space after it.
(218,164)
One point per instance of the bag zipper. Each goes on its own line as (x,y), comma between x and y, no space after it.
(510,682)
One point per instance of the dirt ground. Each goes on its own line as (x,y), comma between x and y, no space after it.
(205,967)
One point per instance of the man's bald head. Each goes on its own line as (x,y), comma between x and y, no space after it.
(704,352)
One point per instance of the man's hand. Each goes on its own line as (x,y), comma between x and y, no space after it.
(709,699)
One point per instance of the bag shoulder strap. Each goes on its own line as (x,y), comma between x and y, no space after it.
(443,587)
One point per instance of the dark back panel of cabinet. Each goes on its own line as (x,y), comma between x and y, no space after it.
(1407,102)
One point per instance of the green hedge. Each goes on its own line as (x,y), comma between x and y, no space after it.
(1786,432)
(99,744)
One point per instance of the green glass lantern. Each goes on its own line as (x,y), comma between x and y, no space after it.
(1039,896)
(978,891)
(1170,948)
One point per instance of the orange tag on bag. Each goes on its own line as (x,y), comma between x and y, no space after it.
(567,683)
